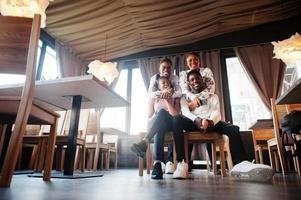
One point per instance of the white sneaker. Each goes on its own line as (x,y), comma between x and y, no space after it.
(181,171)
(163,166)
(252,172)
(170,168)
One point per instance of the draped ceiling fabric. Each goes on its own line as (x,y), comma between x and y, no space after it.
(133,26)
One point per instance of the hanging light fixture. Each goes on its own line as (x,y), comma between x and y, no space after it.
(289,50)
(105,71)
(25,8)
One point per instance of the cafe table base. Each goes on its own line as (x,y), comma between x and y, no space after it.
(76,175)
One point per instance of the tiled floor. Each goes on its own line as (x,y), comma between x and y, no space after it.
(126,184)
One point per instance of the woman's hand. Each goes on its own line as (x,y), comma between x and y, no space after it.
(167,93)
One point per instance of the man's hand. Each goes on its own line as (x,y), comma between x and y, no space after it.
(198,122)
(205,124)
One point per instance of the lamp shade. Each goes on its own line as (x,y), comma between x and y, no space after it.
(288,50)
(25,8)
(105,71)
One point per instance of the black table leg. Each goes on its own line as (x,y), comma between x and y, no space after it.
(72,136)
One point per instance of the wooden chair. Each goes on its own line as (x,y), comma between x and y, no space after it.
(62,141)
(167,140)
(278,111)
(93,150)
(19,39)
(297,161)
(262,131)
(95,145)
(227,152)
(112,142)
(213,138)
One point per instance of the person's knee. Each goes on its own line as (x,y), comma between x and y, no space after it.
(177,120)
(162,112)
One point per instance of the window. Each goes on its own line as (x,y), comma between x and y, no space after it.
(139,106)
(49,70)
(292,73)
(130,77)
(246,105)
(115,117)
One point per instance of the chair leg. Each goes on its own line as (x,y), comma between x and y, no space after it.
(207,162)
(116,159)
(214,159)
(83,158)
(33,157)
(229,159)
(222,157)
(41,156)
(260,155)
(277,160)
(175,154)
(50,152)
(96,157)
(186,148)
(140,166)
(256,156)
(12,153)
(272,159)
(148,158)
(282,160)
(108,160)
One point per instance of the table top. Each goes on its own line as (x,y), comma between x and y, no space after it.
(58,92)
(111,131)
(262,124)
(292,95)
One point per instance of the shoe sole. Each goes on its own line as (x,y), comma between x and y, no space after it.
(137,151)
(180,178)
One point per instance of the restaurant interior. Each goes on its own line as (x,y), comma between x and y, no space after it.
(76,99)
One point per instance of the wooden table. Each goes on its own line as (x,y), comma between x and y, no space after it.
(71,93)
(292,95)
(262,131)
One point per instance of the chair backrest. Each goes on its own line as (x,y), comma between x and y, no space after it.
(291,107)
(83,123)
(278,111)
(112,140)
(19,38)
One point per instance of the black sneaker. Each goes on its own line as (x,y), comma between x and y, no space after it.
(157,171)
(139,148)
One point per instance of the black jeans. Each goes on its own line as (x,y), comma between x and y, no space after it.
(163,122)
(232,131)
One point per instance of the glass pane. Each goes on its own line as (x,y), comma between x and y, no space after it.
(16,78)
(291,75)
(138,104)
(115,117)
(49,70)
(11,79)
(246,105)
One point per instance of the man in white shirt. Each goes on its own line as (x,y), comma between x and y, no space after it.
(205,116)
